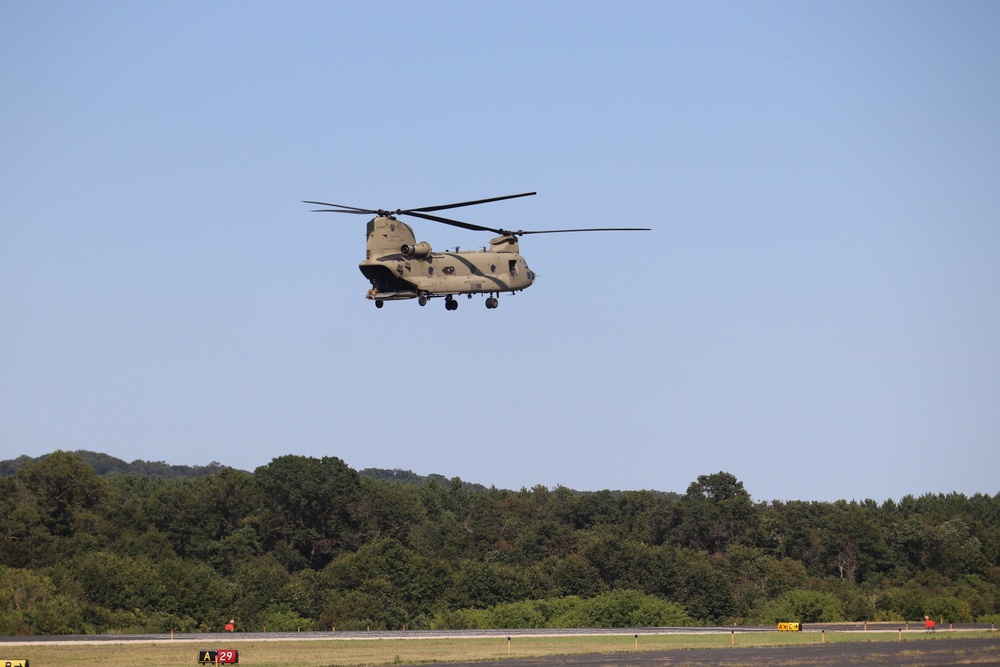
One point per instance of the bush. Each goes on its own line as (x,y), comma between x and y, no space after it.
(282,620)
(524,614)
(948,609)
(624,609)
(460,619)
(802,606)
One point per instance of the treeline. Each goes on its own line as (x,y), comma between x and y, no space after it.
(306,543)
(104,464)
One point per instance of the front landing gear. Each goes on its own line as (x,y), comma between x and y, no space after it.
(450,303)
(492,302)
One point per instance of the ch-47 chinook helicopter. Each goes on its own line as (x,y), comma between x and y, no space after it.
(400,268)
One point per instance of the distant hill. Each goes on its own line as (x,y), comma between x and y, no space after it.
(410,477)
(107,465)
(103,464)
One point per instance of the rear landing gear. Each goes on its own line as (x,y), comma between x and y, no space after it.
(379,303)
(422,300)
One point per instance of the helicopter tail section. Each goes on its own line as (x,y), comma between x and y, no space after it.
(387,236)
(386,285)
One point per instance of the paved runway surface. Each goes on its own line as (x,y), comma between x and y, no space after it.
(945,651)
(932,653)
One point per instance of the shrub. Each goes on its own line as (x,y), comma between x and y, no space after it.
(802,606)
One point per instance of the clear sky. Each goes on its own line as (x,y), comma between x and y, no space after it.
(816,311)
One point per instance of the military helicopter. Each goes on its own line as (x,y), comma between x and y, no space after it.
(400,268)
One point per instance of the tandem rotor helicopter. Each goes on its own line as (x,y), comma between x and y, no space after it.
(400,268)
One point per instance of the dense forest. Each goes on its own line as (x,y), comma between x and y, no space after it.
(89,544)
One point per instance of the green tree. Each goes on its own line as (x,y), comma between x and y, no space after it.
(389,576)
(716,512)
(387,510)
(853,542)
(703,591)
(573,575)
(65,497)
(25,542)
(618,561)
(191,589)
(115,581)
(481,585)
(308,508)
(21,594)
(67,491)
(256,584)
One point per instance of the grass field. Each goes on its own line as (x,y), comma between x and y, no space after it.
(364,653)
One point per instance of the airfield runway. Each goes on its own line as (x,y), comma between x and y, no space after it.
(948,648)
(931,653)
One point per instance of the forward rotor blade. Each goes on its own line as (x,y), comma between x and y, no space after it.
(454,223)
(426,209)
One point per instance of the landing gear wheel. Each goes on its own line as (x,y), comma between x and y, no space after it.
(422,300)
(450,304)
(379,303)
(492,302)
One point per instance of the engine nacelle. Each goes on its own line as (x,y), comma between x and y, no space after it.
(418,251)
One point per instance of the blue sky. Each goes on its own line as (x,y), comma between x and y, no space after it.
(816,311)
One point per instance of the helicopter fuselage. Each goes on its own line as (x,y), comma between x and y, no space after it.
(400,268)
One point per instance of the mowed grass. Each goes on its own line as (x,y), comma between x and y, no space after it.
(365,653)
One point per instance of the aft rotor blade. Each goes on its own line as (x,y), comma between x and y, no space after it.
(589,229)
(426,209)
(339,208)
(454,223)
